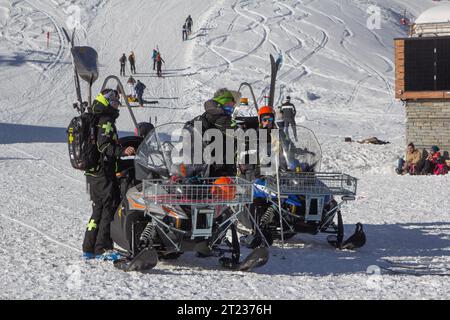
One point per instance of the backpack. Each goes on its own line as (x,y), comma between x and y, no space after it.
(202,118)
(82,141)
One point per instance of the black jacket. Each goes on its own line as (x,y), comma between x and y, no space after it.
(288,110)
(107,137)
(216,116)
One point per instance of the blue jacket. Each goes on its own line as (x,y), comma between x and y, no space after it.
(139,88)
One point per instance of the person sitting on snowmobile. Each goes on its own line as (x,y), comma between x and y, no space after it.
(103,185)
(217,115)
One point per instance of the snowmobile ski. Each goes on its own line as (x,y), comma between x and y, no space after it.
(145,260)
(257,258)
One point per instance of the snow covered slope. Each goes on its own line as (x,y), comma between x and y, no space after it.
(339,74)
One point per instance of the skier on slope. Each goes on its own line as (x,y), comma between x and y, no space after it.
(132,60)
(189,24)
(184,32)
(159,62)
(288,112)
(154,56)
(123,61)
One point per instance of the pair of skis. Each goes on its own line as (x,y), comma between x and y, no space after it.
(420,268)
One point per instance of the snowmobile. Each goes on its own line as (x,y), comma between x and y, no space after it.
(178,208)
(306,197)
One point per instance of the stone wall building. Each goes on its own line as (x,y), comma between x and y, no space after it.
(422,79)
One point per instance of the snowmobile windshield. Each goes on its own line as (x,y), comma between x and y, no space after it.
(162,153)
(299,149)
(153,157)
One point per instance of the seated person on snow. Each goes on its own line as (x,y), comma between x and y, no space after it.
(434,163)
(412,163)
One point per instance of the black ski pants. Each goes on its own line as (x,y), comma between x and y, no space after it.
(158,68)
(105,196)
(122,69)
(133,67)
(290,122)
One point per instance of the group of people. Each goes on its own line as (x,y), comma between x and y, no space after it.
(102,180)
(157,62)
(156,58)
(430,163)
(123,62)
(187,28)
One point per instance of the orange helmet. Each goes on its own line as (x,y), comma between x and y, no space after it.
(224,189)
(265,110)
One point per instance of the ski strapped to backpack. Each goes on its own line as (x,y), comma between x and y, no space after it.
(82,141)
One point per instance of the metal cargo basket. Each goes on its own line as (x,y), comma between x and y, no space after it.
(198,192)
(314,184)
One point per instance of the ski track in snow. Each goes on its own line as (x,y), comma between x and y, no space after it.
(342,72)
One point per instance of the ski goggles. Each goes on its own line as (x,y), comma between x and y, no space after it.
(267,119)
(228,109)
(114,103)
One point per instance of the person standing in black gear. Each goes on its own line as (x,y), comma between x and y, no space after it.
(123,61)
(189,24)
(132,60)
(288,112)
(184,32)
(139,88)
(102,182)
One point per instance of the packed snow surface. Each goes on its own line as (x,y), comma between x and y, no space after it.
(435,15)
(340,75)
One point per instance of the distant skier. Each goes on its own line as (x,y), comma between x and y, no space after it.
(139,88)
(189,24)
(159,62)
(132,60)
(123,61)
(154,56)
(288,112)
(184,32)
